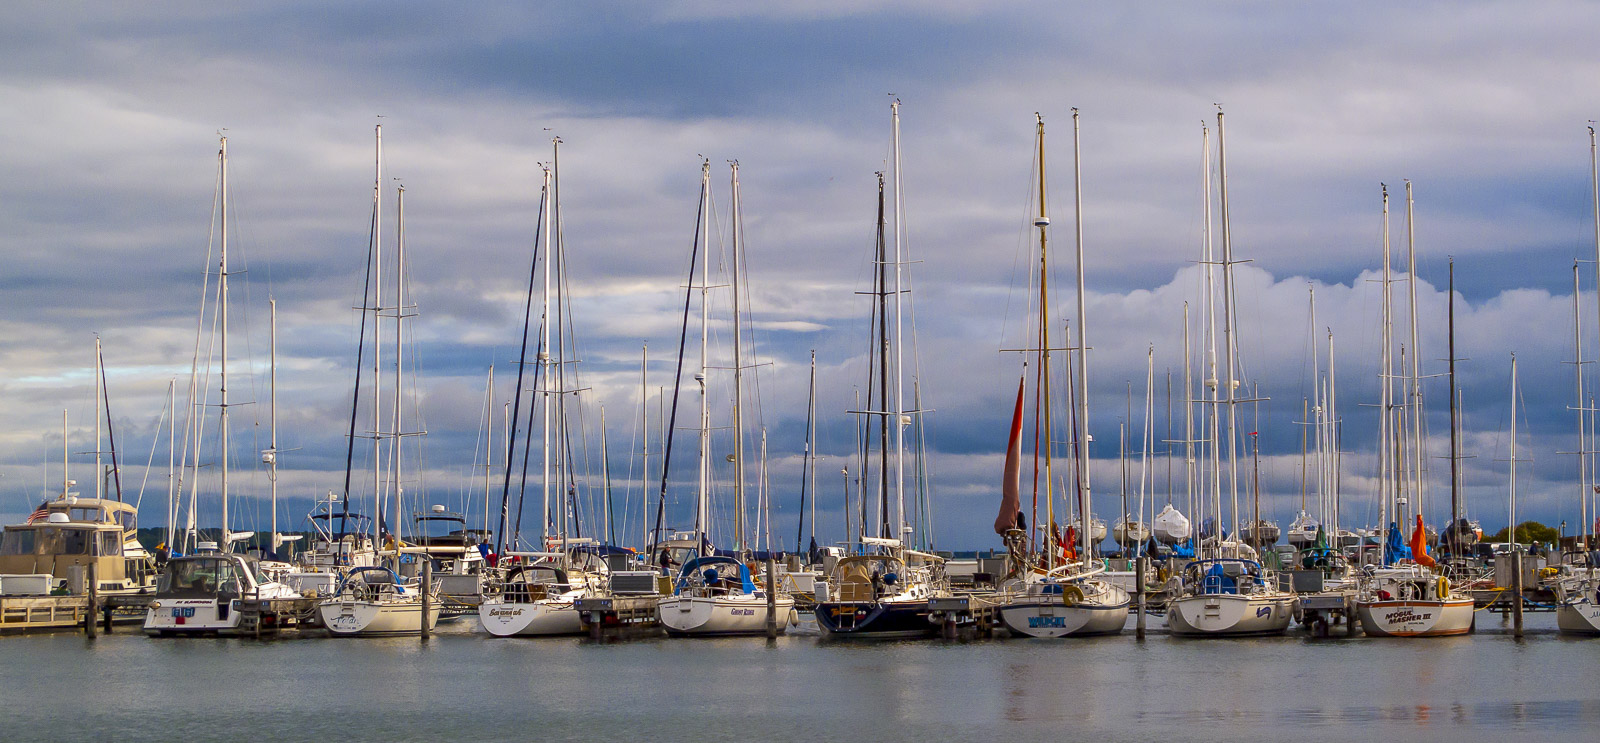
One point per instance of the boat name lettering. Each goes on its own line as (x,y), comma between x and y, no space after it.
(1406,615)
(1263,611)
(517,612)
(744,612)
(1039,622)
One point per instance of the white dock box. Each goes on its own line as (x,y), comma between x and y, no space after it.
(37,584)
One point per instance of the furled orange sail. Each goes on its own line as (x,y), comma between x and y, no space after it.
(1419,546)
(1011,488)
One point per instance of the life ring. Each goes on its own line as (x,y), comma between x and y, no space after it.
(1072,593)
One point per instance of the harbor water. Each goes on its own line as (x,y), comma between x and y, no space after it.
(462,685)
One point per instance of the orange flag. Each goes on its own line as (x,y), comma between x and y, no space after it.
(1419,546)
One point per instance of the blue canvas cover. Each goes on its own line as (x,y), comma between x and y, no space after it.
(1394,548)
(709,566)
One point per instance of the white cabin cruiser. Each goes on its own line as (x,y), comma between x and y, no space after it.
(201,595)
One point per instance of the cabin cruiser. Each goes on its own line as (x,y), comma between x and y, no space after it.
(882,595)
(716,596)
(375,601)
(1411,600)
(200,595)
(72,532)
(1228,597)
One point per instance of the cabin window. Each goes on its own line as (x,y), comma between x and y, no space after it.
(19,542)
(76,541)
(82,513)
(128,520)
(110,544)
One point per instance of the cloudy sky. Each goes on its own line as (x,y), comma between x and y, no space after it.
(108,139)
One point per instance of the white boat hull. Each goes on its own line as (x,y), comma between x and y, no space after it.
(192,617)
(1416,618)
(375,618)
(1230,615)
(1034,617)
(1581,617)
(721,615)
(546,617)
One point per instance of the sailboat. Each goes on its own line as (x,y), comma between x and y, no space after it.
(1578,593)
(885,591)
(1226,592)
(714,594)
(1407,596)
(201,593)
(375,600)
(538,594)
(1048,595)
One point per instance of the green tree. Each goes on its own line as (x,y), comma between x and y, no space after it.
(1529,532)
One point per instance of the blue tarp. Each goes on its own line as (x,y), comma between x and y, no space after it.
(709,570)
(1184,549)
(1394,548)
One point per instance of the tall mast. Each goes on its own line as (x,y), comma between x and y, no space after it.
(556,344)
(1384,380)
(644,449)
(899,345)
(377,336)
(1333,441)
(703,497)
(1212,383)
(738,370)
(1417,483)
(1511,532)
(1084,492)
(272,407)
(546,359)
(488,446)
(66,476)
(811,444)
(1583,448)
(883,379)
(1227,320)
(1455,443)
(1594,185)
(227,545)
(397,436)
(99,394)
(172,464)
(1188,417)
(1043,222)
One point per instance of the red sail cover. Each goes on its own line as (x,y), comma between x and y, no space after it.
(1419,545)
(1011,488)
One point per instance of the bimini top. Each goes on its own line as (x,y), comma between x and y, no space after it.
(372,575)
(707,568)
(602,550)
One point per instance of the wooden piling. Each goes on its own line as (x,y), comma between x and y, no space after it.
(1516,590)
(772,600)
(91,588)
(427,596)
(1138,579)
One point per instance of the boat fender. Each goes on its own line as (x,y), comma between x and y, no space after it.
(794,618)
(1444,588)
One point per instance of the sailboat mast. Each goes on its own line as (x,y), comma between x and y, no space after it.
(172,464)
(99,394)
(883,378)
(899,340)
(808,480)
(1583,448)
(396,436)
(1511,531)
(738,369)
(1213,432)
(1043,222)
(227,545)
(1417,483)
(703,497)
(377,338)
(644,449)
(1455,443)
(1084,492)
(272,417)
(1188,416)
(546,361)
(1594,186)
(1384,379)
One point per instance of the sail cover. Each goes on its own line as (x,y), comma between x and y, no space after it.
(1011,488)
(1419,545)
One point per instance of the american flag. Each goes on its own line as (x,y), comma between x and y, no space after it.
(39,512)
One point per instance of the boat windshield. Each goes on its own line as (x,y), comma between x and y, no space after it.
(199,577)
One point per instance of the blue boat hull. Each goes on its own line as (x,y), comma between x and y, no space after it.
(869,619)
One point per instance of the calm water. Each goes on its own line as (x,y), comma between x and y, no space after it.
(462,686)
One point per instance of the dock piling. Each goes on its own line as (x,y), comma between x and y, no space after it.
(91,588)
(1138,580)
(427,597)
(772,601)
(1516,591)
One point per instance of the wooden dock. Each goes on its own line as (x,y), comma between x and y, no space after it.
(603,616)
